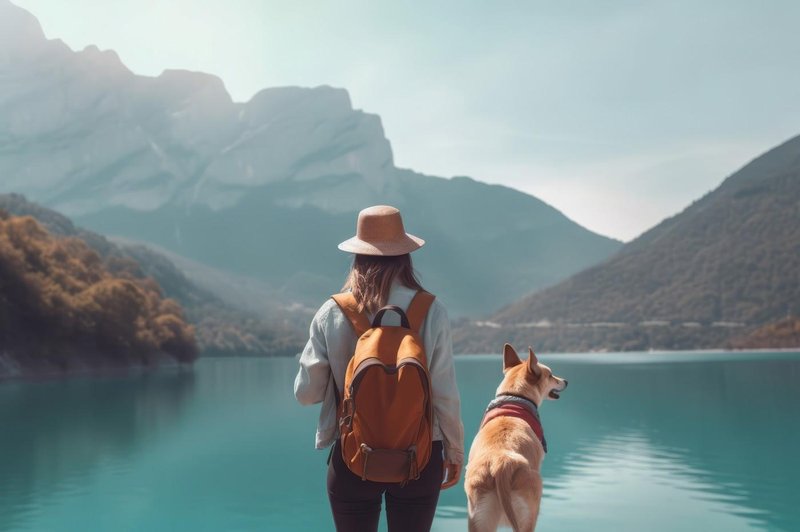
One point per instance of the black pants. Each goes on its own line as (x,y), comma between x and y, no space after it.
(356,503)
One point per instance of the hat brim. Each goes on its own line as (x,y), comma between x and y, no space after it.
(391,248)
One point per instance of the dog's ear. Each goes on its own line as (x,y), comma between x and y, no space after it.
(510,357)
(533,363)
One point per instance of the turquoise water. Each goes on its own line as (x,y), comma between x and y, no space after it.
(657,442)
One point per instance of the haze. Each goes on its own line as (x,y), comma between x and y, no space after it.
(617,113)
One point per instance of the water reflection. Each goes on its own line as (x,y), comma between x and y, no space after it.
(57,433)
(706,443)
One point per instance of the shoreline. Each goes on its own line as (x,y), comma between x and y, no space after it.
(782,350)
(677,351)
(47,372)
(12,370)
(559,353)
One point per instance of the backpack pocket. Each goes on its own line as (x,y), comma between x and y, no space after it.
(389,465)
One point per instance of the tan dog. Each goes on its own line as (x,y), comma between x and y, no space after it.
(503,483)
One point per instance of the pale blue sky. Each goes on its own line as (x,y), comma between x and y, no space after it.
(617,113)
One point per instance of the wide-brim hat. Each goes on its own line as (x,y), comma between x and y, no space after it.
(380,231)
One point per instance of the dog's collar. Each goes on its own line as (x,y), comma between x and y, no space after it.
(511,405)
(518,396)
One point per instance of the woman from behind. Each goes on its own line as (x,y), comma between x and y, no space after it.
(382,274)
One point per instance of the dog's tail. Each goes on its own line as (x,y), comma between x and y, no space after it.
(502,482)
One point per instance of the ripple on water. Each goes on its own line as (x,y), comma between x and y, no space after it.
(629,464)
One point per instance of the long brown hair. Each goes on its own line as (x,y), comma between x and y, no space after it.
(371,277)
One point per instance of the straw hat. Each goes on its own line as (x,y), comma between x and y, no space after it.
(380,231)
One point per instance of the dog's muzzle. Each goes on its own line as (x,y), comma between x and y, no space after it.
(555,394)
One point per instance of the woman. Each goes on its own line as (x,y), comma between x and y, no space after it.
(382,275)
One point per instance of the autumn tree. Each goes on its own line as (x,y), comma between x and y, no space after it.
(58,296)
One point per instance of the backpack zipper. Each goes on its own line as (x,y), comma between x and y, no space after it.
(426,384)
(390,369)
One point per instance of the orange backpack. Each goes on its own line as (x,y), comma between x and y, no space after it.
(386,416)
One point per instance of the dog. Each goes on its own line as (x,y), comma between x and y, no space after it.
(503,481)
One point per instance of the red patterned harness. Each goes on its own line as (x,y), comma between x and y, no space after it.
(517,410)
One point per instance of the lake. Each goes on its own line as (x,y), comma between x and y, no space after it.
(639,441)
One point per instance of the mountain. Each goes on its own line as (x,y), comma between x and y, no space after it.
(470,229)
(727,264)
(263,189)
(222,325)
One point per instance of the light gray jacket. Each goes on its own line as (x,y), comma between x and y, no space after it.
(332,342)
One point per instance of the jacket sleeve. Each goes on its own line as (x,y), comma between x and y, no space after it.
(314,374)
(446,399)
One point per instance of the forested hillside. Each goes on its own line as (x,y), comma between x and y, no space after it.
(783,334)
(62,306)
(726,265)
(221,328)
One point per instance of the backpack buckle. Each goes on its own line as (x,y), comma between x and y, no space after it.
(347,413)
(366,450)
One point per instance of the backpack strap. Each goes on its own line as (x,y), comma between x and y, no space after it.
(347,302)
(418,309)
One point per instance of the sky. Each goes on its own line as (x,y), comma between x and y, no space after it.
(619,114)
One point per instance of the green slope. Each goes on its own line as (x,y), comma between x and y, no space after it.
(728,263)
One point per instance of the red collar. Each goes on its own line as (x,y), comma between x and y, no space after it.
(517,411)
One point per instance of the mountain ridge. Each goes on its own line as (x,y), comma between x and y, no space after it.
(264,188)
(183,123)
(727,264)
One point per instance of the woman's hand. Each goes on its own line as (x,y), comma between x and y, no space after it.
(452,474)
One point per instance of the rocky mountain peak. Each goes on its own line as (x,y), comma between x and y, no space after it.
(20,32)
(105,60)
(175,139)
(181,84)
